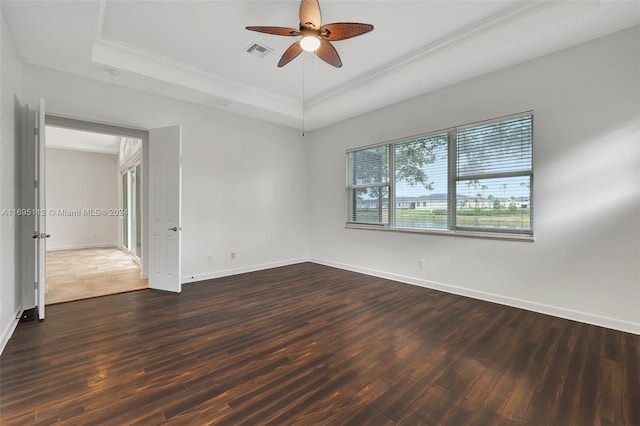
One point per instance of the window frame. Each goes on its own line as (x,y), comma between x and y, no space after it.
(389,184)
(452,180)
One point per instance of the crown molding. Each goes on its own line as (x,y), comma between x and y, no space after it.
(448,42)
(124,57)
(323,108)
(115,53)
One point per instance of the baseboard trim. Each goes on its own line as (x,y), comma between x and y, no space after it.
(242,270)
(9,329)
(584,317)
(83,246)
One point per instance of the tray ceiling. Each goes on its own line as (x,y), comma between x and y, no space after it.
(196,50)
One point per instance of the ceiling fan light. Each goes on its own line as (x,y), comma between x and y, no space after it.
(310,43)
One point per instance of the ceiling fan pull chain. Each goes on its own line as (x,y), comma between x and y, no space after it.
(303,94)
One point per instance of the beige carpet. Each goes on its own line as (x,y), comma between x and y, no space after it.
(81,274)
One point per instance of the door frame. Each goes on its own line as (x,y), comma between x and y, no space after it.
(111,129)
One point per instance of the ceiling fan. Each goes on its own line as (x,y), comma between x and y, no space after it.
(315,36)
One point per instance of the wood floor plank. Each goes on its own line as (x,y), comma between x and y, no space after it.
(309,344)
(85,273)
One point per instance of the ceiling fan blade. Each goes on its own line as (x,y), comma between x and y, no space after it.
(281,31)
(328,53)
(290,54)
(344,30)
(310,16)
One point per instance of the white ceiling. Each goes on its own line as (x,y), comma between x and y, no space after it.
(194,50)
(77,140)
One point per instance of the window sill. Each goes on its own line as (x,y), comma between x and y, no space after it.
(449,233)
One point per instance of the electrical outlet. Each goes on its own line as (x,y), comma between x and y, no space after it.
(233,254)
(421,263)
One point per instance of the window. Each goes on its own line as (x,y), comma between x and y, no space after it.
(421,180)
(132,208)
(370,185)
(131,171)
(474,178)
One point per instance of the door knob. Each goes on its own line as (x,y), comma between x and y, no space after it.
(43,235)
(174,229)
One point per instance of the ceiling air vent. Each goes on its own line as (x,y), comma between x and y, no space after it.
(218,101)
(258,50)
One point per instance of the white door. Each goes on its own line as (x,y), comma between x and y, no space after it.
(41,207)
(29,222)
(165,199)
(34,241)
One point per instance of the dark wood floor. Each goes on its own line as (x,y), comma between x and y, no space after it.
(308,344)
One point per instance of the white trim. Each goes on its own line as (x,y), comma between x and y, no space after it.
(104,151)
(448,232)
(86,125)
(241,270)
(570,314)
(84,246)
(8,331)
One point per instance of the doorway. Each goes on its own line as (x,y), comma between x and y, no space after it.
(94,194)
(161,170)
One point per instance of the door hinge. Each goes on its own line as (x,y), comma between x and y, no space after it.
(36,131)
(35,285)
(35,184)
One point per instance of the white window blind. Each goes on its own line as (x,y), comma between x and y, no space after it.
(420,166)
(369,189)
(494,175)
(500,147)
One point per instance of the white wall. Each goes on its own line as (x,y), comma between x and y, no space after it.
(585,261)
(244,181)
(10,94)
(78,180)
